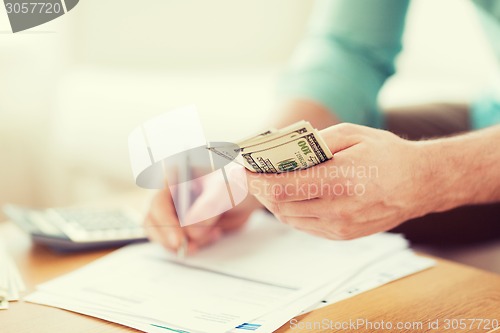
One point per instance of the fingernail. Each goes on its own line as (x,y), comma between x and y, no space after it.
(173,240)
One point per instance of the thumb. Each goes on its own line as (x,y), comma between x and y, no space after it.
(342,136)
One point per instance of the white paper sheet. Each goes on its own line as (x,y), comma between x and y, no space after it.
(11,283)
(269,251)
(137,280)
(265,274)
(391,268)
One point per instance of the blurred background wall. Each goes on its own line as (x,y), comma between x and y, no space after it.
(72,89)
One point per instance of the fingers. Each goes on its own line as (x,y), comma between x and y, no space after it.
(161,222)
(358,230)
(286,187)
(336,229)
(315,226)
(233,221)
(303,223)
(330,229)
(310,208)
(198,232)
(212,229)
(150,230)
(202,211)
(312,182)
(208,237)
(200,218)
(343,136)
(329,219)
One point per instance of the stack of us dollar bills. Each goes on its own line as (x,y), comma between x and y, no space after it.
(298,146)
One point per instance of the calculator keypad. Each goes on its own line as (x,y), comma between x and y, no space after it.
(83,225)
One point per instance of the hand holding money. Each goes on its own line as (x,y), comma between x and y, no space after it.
(376,181)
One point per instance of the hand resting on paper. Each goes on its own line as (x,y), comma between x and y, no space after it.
(162,223)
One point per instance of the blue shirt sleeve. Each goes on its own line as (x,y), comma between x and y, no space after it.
(346,55)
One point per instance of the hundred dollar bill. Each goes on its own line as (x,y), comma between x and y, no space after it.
(285,134)
(299,153)
(297,146)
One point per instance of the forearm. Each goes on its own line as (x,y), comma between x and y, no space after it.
(300,109)
(462,170)
(347,54)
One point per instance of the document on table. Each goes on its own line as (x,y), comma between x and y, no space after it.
(391,268)
(256,279)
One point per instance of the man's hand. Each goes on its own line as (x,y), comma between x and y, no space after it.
(162,224)
(374,182)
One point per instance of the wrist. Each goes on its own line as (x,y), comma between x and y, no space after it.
(440,176)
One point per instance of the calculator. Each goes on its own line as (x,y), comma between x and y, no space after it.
(73,229)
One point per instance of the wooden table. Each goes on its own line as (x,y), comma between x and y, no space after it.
(448,291)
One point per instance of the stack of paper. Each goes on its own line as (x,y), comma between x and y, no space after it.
(256,280)
(11,283)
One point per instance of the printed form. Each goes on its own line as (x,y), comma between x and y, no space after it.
(256,279)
